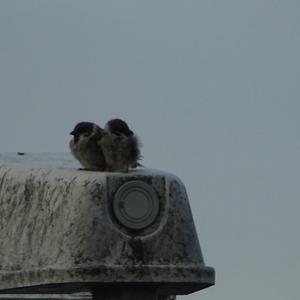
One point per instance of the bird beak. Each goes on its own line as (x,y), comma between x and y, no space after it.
(72,132)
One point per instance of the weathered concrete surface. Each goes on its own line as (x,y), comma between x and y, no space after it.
(58,232)
(74,296)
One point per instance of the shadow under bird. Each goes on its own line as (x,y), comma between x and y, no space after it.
(113,149)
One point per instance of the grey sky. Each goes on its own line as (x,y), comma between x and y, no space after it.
(212,89)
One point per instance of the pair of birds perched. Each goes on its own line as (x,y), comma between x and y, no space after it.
(112,149)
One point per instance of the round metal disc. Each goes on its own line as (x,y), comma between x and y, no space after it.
(136,205)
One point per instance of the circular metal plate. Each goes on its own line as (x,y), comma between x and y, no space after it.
(136,205)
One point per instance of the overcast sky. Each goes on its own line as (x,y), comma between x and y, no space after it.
(212,89)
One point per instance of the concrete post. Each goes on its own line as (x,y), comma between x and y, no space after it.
(119,236)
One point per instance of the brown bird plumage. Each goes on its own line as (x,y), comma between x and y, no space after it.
(85,146)
(120,146)
(113,149)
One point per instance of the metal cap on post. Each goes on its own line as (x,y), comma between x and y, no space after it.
(119,236)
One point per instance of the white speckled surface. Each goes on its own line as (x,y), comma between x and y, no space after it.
(57,227)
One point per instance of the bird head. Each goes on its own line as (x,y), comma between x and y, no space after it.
(118,126)
(84,129)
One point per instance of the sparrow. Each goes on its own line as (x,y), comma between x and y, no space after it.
(86,147)
(120,146)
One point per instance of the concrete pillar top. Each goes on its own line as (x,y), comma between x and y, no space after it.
(67,230)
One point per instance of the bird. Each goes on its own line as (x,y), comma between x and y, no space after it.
(86,147)
(120,146)
(118,126)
